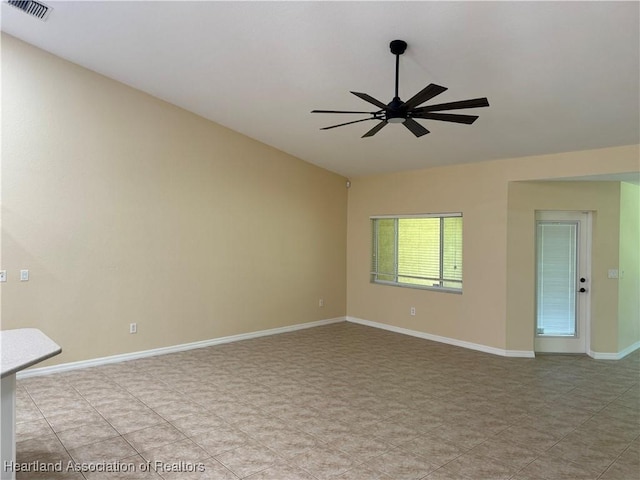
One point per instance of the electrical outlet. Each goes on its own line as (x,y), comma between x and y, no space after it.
(3,275)
(133,328)
(321,302)
(413,311)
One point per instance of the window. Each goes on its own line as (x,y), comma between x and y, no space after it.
(421,251)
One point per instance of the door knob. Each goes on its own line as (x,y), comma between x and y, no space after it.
(582,290)
(582,279)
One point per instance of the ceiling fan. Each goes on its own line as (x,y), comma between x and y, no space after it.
(398,111)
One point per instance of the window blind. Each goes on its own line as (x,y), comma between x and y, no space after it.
(556,278)
(422,251)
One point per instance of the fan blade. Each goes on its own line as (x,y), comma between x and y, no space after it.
(341,111)
(472,103)
(448,117)
(415,128)
(348,123)
(370,99)
(427,93)
(375,129)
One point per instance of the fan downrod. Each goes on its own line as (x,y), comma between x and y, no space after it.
(397,48)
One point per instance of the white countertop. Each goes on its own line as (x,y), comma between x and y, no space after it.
(24,347)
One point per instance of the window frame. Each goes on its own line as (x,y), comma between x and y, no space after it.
(373,257)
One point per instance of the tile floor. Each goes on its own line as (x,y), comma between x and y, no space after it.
(340,401)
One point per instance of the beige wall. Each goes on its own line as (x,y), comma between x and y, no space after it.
(487,313)
(629,282)
(127,209)
(600,198)
(452,189)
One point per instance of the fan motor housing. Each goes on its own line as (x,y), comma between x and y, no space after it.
(396,111)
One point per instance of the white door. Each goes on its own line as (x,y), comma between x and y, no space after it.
(562,281)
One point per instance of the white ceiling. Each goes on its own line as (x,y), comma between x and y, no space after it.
(559,76)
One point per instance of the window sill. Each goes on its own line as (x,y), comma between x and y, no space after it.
(418,287)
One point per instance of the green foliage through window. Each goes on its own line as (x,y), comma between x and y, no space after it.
(418,251)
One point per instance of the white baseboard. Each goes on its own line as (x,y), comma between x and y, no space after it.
(603,355)
(520,353)
(65,367)
(614,356)
(447,340)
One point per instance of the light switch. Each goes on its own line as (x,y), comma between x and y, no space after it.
(3,275)
(24,275)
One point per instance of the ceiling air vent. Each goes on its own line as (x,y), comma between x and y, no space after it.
(37,9)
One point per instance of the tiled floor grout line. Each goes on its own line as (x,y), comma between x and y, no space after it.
(52,429)
(104,418)
(618,457)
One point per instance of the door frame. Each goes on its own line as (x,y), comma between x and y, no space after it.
(583,301)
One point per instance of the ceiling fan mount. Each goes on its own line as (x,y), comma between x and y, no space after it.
(397,111)
(398,47)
